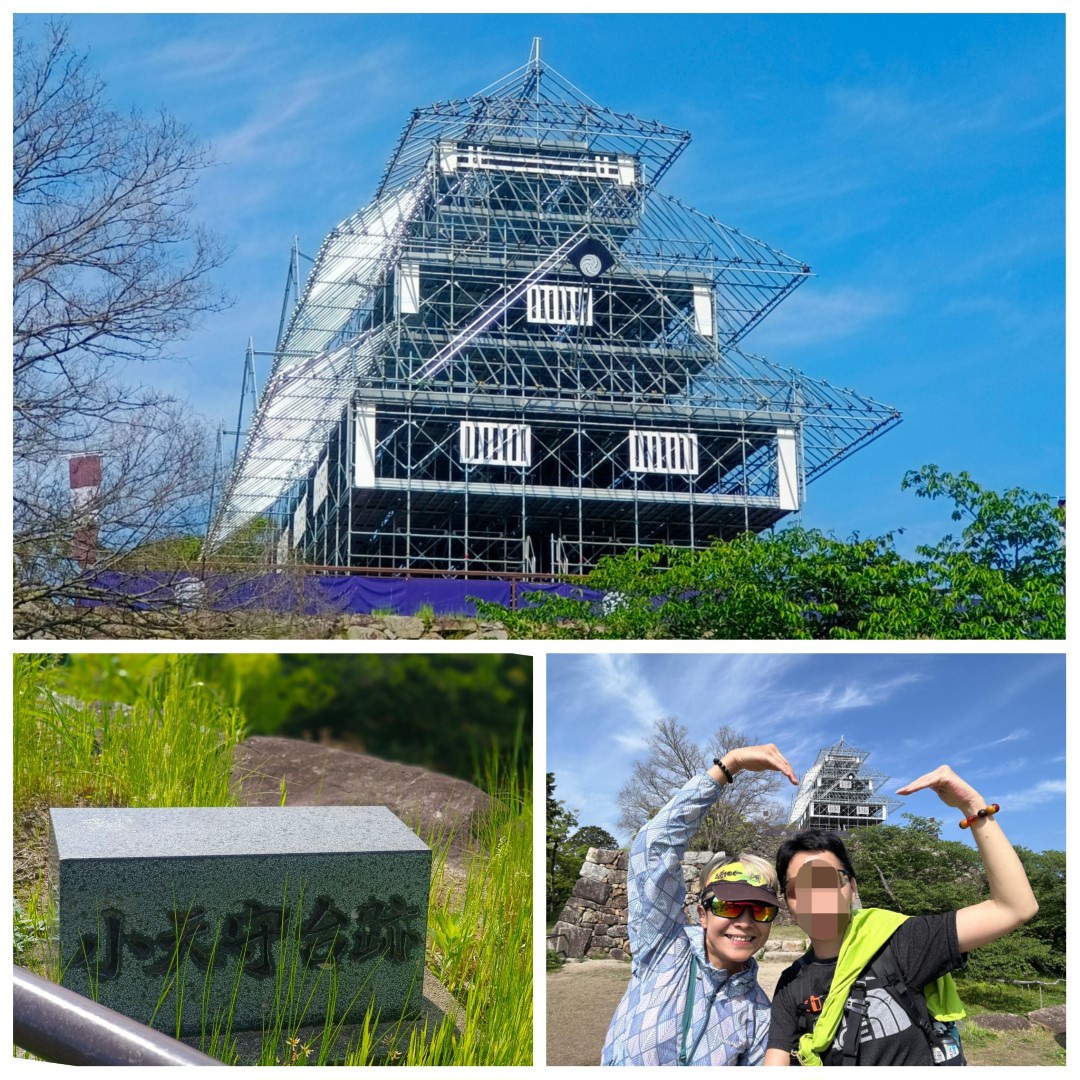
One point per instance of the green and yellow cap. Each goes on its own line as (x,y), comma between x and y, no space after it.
(737,881)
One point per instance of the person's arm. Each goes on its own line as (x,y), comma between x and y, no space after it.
(654,882)
(782,1028)
(1011,903)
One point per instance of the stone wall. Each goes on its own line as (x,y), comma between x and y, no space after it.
(414,628)
(593,922)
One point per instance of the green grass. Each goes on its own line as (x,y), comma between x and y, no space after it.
(1034,1047)
(788,933)
(993,997)
(173,748)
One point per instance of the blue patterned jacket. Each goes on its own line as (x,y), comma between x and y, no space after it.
(730,1021)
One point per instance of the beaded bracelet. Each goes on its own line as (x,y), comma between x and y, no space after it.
(986,811)
(724,769)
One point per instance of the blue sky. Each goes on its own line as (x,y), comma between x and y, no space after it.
(998,720)
(915,162)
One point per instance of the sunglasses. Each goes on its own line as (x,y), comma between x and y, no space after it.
(732,909)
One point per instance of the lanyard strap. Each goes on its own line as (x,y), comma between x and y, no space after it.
(685,1057)
(688,1013)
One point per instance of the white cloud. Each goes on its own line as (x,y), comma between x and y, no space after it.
(842,696)
(1013,736)
(1012,766)
(813,315)
(1043,792)
(618,678)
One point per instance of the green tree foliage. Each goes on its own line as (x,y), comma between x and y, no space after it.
(592,836)
(447,713)
(566,862)
(1037,949)
(913,870)
(1018,532)
(1003,577)
(560,821)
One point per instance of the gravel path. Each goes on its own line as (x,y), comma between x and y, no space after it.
(582,998)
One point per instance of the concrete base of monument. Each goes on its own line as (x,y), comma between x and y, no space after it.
(436,1005)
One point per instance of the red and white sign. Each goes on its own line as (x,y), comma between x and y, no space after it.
(84,479)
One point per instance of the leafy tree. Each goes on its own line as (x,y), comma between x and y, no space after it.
(744,817)
(913,870)
(560,821)
(567,858)
(1003,578)
(1018,532)
(592,836)
(109,271)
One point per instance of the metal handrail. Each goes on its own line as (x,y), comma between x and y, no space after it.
(59,1025)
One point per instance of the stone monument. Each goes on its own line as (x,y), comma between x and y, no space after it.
(175,917)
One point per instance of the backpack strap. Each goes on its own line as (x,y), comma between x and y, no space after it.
(854,1011)
(807,1005)
(887,971)
(884,968)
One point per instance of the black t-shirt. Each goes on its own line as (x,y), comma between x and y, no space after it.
(924,947)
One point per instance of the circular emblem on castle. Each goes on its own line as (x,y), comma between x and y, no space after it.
(590,265)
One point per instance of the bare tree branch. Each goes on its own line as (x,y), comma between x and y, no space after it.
(109,270)
(745,815)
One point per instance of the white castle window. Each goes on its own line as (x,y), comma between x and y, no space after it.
(485,443)
(322,484)
(560,305)
(300,520)
(663,452)
(621,168)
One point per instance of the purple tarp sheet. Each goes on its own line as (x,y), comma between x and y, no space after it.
(318,594)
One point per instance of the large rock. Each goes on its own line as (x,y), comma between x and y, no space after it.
(581,903)
(1052,1017)
(316,775)
(1001,1022)
(597,891)
(403,627)
(592,872)
(568,940)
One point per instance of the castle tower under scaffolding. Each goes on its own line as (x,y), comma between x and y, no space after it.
(840,792)
(523,356)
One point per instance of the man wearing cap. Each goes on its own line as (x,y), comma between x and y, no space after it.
(693,997)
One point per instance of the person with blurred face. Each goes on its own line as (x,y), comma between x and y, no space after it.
(818,880)
(693,997)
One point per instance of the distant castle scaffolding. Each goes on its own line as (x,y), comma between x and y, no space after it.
(841,792)
(522,356)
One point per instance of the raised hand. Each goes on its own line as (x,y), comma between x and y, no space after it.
(759,759)
(950,789)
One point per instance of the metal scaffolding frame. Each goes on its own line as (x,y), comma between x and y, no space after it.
(522,356)
(840,792)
